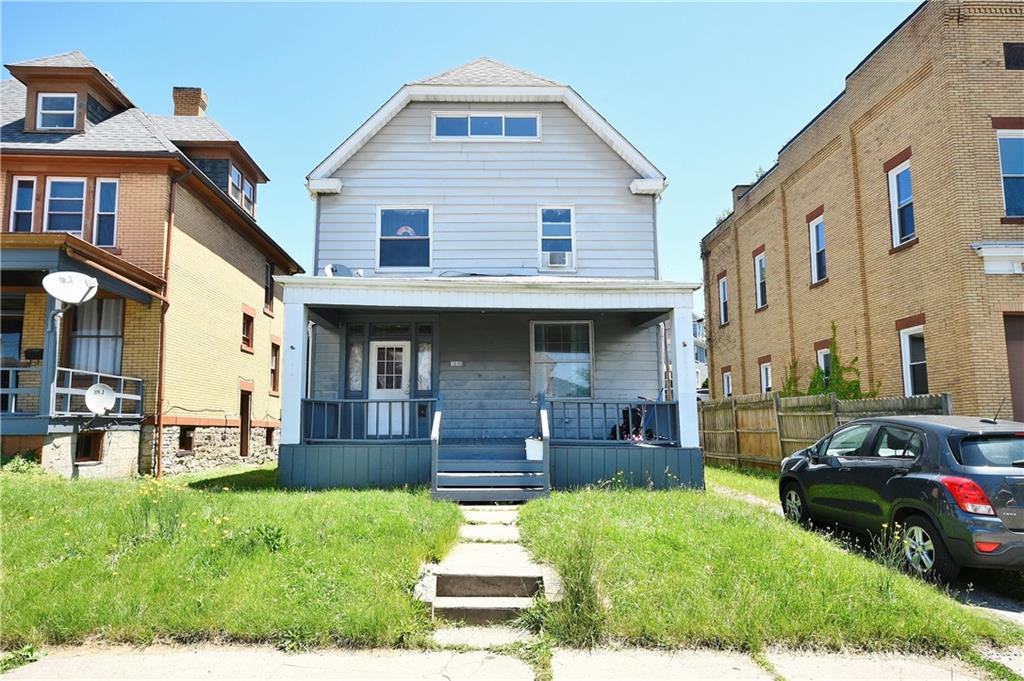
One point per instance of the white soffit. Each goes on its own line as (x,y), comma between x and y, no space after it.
(459,93)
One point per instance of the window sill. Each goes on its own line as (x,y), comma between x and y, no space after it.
(88,462)
(820,282)
(268,312)
(114,250)
(248,349)
(556,270)
(903,246)
(761,309)
(723,325)
(274,393)
(1011,221)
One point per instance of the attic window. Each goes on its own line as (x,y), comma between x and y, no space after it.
(56,110)
(248,197)
(486,126)
(235,184)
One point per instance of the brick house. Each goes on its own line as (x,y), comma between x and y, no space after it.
(186,324)
(897,213)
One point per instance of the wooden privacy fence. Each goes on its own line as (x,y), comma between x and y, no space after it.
(760,430)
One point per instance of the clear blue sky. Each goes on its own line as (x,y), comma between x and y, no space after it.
(709,92)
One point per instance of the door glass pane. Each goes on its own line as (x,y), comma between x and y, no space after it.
(846,442)
(389,367)
(355,366)
(424,365)
(896,443)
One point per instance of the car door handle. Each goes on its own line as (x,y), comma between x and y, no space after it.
(845,469)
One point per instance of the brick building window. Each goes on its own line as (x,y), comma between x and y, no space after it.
(727,383)
(901,204)
(186,439)
(23,205)
(723,301)
(89,447)
(765,370)
(104,231)
(268,287)
(1011,164)
(248,324)
(824,359)
(760,280)
(275,369)
(915,364)
(816,229)
(65,204)
(1013,54)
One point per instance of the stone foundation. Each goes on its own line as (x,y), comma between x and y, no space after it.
(213,447)
(118,459)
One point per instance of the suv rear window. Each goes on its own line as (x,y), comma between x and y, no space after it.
(992,450)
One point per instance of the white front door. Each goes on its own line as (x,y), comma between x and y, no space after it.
(389,380)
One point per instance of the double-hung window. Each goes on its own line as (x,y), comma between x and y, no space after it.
(104,231)
(765,371)
(56,110)
(915,364)
(235,183)
(65,204)
(760,281)
(901,204)
(275,369)
(723,301)
(556,238)
(727,383)
(403,237)
(486,126)
(23,205)
(97,336)
(819,269)
(824,359)
(1011,164)
(268,287)
(562,359)
(248,197)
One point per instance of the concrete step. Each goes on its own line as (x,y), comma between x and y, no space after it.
(479,610)
(489,466)
(489,493)
(489,532)
(498,586)
(489,517)
(489,479)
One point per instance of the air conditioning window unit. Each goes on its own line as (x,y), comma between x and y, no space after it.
(557,259)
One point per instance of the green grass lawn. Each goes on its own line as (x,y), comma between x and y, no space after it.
(686,568)
(758,483)
(221,556)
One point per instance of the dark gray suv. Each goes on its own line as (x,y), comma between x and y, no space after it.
(954,485)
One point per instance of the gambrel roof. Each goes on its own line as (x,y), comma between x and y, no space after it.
(487,80)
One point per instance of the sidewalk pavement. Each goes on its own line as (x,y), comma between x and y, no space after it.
(265,663)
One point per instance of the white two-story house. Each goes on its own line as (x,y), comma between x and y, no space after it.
(486,313)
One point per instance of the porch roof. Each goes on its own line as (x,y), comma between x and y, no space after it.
(489,293)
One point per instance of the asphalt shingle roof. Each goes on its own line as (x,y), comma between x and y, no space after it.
(486,71)
(73,59)
(191,129)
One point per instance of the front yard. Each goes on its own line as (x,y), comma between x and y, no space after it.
(221,557)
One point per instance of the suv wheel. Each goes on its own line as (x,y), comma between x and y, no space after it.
(794,506)
(924,553)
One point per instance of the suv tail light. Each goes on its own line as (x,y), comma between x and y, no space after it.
(969,495)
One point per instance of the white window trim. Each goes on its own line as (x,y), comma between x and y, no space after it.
(758,303)
(1006,134)
(96,208)
(14,201)
(430,239)
(727,383)
(905,335)
(46,203)
(483,138)
(39,110)
(241,177)
(811,229)
(723,301)
(762,374)
(894,214)
(533,351)
(820,357)
(572,238)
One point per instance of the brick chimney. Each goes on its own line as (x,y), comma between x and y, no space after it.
(189,101)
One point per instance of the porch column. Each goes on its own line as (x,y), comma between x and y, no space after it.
(684,377)
(293,388)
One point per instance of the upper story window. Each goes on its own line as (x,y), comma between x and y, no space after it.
(765,369)
(901,204)
(235,183)
(403,237)
(248,196)
(819,269)
(275,368)
(105,223)
(23,205)
(824,359)
(268,287)
(557,236)
(760,280)
(1011,164)
(65,204)
(248,329)
(486,126)
(56,110)
(723,301)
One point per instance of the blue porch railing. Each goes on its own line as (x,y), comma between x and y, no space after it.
(639,421)
(367,420)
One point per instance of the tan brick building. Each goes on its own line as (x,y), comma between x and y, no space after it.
(897,213)
(186,324)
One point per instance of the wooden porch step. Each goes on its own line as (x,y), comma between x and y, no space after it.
(473,494)
(480,610)
(489,479)
(489,466)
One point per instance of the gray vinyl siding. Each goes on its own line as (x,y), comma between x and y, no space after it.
(485,197)
(489,396)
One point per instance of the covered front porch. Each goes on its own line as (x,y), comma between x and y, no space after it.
(486,387)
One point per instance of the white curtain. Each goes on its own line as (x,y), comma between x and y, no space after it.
(96,339)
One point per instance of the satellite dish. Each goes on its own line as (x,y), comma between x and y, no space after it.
(100,398)
(73,288)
